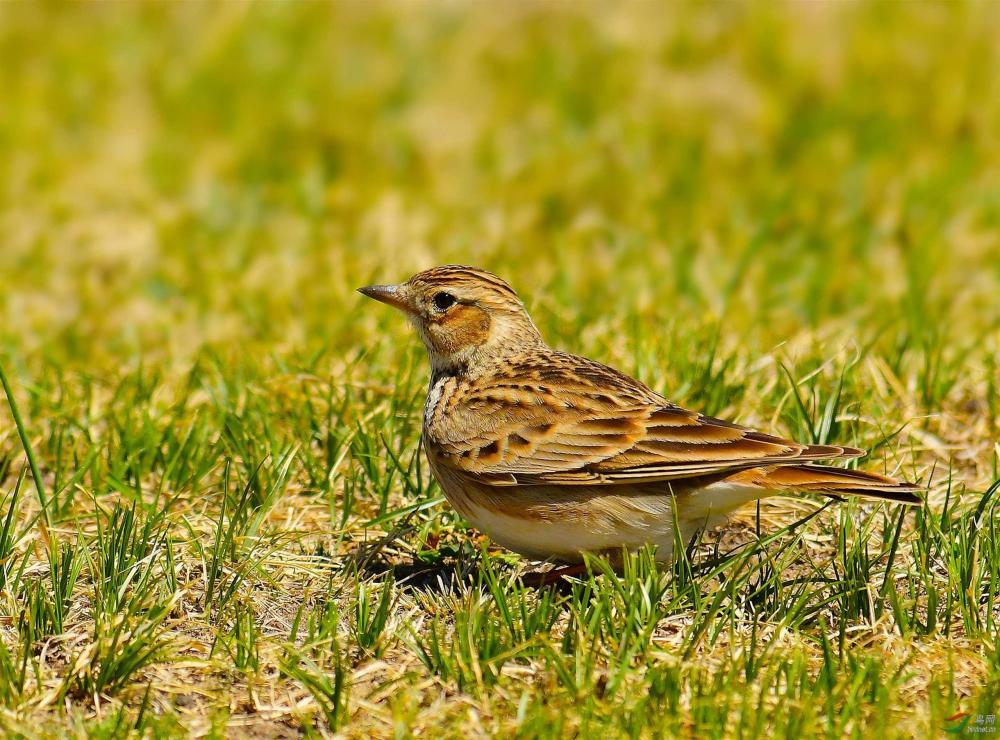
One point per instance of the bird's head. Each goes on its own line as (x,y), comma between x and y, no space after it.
(465,316)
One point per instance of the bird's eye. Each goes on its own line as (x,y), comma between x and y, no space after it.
(444,301)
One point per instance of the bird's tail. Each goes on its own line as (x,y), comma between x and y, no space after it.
(831,481)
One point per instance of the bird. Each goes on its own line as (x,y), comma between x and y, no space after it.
(555,456)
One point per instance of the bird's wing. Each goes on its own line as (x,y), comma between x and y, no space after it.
(571,425)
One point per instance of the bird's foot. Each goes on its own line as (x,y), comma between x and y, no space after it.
(539,579)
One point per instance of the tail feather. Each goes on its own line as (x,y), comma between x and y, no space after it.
(831,481)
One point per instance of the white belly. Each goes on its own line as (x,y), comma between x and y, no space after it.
(566,539)
(563,522)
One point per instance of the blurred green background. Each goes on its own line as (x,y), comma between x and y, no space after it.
(178,174)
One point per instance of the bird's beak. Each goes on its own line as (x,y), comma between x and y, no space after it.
(395,295)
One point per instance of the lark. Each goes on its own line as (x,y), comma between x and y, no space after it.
(553,455)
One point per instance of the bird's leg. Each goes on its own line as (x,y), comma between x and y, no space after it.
(538,579)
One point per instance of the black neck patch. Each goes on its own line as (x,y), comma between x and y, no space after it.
(451,371)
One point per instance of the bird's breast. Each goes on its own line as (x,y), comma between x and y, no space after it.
(440,393)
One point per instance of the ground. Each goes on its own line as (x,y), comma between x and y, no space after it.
(785,215)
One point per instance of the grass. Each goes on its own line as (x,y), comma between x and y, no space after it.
(214,515)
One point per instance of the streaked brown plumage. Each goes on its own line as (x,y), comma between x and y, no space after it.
(553,455)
